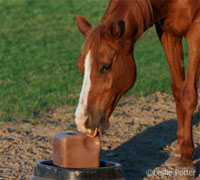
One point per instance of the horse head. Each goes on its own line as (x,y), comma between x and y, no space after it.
(108,69)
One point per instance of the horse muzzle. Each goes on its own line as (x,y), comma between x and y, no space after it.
(88,126)
(81,127)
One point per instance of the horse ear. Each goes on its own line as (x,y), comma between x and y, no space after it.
(117,30)
(83,25)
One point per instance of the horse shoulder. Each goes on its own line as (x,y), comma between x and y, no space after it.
(180,15)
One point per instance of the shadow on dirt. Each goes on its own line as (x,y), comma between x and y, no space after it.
(197,156)
(145,151)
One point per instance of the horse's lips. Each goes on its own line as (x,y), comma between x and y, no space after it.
(92,133)
(81,127)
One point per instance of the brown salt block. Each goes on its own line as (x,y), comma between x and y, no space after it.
(76,150)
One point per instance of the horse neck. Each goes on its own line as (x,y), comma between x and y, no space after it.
(137,15)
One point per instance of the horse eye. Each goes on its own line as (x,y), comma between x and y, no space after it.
(106,67)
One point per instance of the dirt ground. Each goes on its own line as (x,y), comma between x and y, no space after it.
(141,136)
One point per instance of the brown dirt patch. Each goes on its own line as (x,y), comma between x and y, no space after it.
(141,136)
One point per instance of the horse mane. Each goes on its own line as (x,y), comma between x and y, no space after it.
(139,11)
(142,12)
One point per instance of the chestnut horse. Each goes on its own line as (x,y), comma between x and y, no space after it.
(109,69)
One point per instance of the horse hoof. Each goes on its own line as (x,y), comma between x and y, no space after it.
(183,172)
(173,160)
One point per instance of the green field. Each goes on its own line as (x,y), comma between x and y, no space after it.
(39,46)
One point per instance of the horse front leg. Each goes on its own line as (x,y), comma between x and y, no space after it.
(172,46)
(189,95)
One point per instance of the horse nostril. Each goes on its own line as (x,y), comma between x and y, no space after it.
(90,123)
(94,120)
(87,123)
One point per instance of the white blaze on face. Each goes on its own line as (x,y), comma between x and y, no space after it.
(83,100)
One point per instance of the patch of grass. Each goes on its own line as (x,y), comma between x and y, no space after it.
(39,46)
